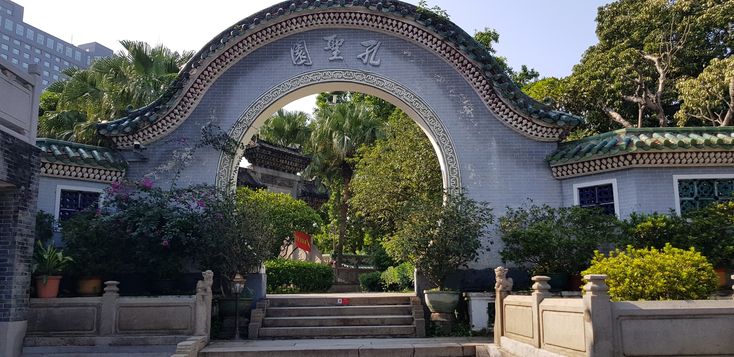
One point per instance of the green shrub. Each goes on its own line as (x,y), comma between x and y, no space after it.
(399,278)
(294,276)
(549,240)
(654,230)
(652,274)
(371,282)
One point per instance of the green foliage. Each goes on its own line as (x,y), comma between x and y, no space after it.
(628,78)
(44,226)
(398,278)
(652,274)
(434,10)
(440,238)
(107,90)
(548,240)
(47,260)
(287,128)
(371,282)
(548,90)
(281,211)
(379,258)
(710,230)
(293,276)
(87,239)
(708,99)
(395,173)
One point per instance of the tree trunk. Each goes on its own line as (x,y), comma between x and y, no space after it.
(657,98)
(729,117)
(615,116)
(343,212)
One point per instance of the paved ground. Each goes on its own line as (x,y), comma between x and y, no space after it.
(444,346)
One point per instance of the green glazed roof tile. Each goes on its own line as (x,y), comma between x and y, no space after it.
(644,140)
(53,150)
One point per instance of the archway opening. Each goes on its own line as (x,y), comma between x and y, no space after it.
(394,163)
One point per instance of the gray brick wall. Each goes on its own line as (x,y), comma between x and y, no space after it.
(497,164)
(19,167)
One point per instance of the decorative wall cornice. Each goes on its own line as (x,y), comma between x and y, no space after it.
(96,174)
(403,20)
(644,159)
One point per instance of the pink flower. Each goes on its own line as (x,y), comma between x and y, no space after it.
(146,183)
(165,243)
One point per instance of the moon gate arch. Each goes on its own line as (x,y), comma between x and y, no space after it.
(491,139)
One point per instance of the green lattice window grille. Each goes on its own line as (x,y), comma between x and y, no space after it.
(697,193)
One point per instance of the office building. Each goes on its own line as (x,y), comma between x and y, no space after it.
(22,44)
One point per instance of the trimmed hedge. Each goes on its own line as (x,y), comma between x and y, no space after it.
(371,282)
(651,274)
(293,277)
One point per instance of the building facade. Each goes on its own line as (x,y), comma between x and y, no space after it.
(23,45)
(19,175)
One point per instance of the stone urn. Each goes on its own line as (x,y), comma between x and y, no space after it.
(443,302)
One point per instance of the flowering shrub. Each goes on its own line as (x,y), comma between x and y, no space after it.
(652,274)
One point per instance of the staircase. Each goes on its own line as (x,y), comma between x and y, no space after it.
(338,316)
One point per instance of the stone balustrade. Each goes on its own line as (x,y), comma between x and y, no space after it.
(595,326)
(112,319)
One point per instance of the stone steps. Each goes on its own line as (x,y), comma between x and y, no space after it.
(362,347)
(101,351)
(323,321)
(338,310)
(337,331)
(337,316)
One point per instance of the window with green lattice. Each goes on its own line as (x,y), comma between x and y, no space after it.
(697,193)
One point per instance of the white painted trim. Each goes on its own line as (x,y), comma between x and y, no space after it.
(613,181)
(57,204)
(677,178)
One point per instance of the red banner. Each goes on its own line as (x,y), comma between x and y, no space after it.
(303,240)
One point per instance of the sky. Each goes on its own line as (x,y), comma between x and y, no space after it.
(548,35)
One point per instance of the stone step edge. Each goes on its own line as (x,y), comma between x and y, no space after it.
(337,317)
(345,307)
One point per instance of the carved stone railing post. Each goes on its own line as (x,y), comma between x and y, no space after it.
(502,288)
(203,320)
(541,290)
(419,321)
(599,341)
(108,310)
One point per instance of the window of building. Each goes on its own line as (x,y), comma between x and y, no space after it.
(16,51)
(59,47)
(30,34)
(26,56)
(47,55)
(36,59)
(26,46)
(56,68)
(45,63)
(72,201)
(4,47)
(57,60)
(602,194)
(6,38)
(14,60)
(45,82)
(50,43)
(45,73)
(693,192)
(77,55)
(25,65)
(68,52)
(9,24)
(16,42)
(55,77)
(4,56)
(66,64)
(37,51)
(19,29)
(40,39)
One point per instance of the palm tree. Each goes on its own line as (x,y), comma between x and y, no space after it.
(109,89)
(287,128)
(338,132)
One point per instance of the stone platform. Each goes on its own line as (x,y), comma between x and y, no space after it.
(363,347)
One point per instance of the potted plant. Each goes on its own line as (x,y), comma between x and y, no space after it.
(711,231)
(555,241)
(438,238)
(48,263)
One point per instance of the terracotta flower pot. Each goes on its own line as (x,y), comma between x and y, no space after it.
(89,286)
(721,273)
(442,301)
(51,287)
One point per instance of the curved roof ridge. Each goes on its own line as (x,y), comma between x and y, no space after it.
(444,28)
